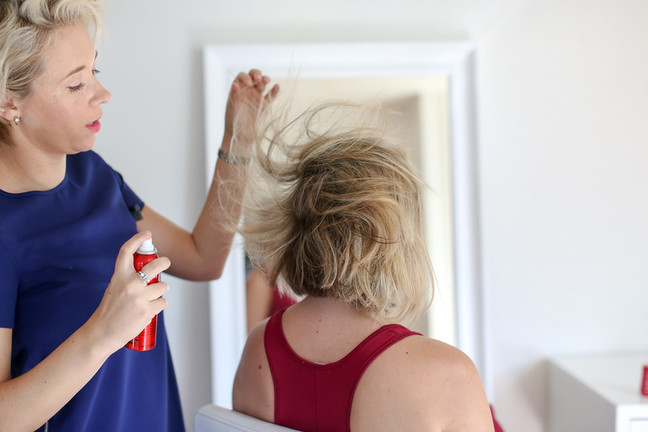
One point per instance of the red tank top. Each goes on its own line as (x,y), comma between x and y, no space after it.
(315,397)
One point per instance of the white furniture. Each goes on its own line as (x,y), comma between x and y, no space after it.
(597,393)
(213,418)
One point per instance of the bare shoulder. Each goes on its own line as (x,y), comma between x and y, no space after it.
(253,389)
(426,385)
(436,357)
(429,362)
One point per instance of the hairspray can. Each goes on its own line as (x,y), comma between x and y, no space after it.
(146,339)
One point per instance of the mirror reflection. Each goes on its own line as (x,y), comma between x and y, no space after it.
(416,113)
(427,89)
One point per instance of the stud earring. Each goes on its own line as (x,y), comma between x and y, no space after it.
(16,120)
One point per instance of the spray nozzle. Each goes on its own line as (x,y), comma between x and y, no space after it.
(147,247)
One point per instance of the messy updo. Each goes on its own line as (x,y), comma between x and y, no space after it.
(26,30)
(337,213)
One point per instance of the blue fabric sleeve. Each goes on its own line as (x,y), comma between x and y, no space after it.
(130,198)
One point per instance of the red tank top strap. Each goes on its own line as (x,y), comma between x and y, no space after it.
(318,397)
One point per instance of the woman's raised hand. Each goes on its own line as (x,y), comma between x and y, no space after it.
(248,100)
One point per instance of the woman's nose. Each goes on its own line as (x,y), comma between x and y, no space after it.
(102,95)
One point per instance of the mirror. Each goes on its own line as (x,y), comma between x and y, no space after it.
(430,86)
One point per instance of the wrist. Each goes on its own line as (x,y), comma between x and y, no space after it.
(232,158)
(227,138)
(96,340)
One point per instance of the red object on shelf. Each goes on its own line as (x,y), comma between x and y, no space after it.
(644,382)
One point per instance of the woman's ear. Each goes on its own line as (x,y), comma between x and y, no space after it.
(8,109)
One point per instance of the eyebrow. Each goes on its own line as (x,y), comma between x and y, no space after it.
(80,68)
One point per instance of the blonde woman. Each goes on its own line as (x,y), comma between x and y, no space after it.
(69,296)
(340,223)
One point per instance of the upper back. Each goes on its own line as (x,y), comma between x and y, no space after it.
(316,396)
(410,383)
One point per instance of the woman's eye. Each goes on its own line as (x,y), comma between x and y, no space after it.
(76,87)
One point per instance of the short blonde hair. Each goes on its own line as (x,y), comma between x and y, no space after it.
(338,213)
(26,30)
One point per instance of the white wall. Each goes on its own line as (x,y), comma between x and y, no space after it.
(564,160)
(563,97)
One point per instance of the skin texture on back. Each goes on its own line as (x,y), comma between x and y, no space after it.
(418,384)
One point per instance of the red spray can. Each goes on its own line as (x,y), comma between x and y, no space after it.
(146,339)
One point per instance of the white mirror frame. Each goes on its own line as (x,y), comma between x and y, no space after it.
(454,60)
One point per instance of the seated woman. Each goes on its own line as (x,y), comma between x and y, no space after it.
(339,221)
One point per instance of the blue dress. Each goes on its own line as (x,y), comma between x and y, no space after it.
(57,255)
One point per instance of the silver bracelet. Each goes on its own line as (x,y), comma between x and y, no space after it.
(232,159)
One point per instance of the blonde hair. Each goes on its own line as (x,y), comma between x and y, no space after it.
(337,213)
(26,30)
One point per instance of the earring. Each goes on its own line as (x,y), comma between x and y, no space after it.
(16,120)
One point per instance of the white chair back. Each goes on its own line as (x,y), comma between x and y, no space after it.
(214,418)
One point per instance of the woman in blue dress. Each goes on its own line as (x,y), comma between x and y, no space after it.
(69,225)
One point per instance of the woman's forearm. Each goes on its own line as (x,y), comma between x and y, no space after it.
(28,401)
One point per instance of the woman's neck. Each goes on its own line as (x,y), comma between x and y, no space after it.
(22,170)
(324,330)
(334,313)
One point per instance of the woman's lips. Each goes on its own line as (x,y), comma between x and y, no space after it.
(95,126)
